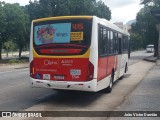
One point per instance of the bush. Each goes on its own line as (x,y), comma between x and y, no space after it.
(16,61)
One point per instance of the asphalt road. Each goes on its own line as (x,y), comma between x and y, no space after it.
(16,93)
(137,56)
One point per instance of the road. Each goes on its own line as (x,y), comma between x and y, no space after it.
(137,56)
(16,93)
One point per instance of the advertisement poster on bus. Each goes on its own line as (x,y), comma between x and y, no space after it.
(52,33)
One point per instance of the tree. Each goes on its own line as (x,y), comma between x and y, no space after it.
(3,25)
(151,2)
(145,26)
(16,27)
(9,46)
(50,8)
(102,10)
(149,21)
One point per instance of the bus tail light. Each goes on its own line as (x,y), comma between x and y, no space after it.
(90,71)
(32,69)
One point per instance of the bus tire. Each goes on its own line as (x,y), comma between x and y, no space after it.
(109,88)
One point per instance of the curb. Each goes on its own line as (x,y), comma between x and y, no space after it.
(14,66)
(150,59)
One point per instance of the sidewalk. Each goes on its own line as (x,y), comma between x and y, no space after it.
(14,66)
(15,55)
(153,59)
(7,66)
(145,97)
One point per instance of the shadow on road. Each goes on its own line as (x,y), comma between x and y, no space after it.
(71,98)
(74,98)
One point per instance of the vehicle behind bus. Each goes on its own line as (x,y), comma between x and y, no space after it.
(150,48)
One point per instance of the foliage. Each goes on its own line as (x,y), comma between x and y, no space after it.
(144,30)
(48,8)
(15,19)
(137,42)
(151,2)
(3,25)
(17,26)
(9,46)
(16,61)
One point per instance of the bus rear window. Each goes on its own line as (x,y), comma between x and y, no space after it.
(62,32)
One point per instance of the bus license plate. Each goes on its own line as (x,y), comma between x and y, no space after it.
(59,77)
(46,76)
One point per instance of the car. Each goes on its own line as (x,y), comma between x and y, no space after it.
(150,48)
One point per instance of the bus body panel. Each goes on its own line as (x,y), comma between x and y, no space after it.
(68,69)
(64,85)
(94,46)
(106,66)
(123,60)
(31,44)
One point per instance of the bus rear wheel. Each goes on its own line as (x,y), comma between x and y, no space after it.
(109,88)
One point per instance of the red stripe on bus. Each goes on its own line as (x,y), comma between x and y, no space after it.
(60,51)
(105,66)
(65,45)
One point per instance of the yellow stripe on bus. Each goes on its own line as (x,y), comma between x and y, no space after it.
(63,17)
(86,55)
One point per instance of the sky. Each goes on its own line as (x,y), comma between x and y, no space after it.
(122,10)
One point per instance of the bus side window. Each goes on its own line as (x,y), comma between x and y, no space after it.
(109,47)
(120,45)
(102,40)
(100,37)
(125,44)
(115,40)
(104,43)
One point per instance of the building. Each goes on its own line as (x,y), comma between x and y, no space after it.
(120,25)
(125,27)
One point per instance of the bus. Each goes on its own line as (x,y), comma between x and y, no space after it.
(83,53)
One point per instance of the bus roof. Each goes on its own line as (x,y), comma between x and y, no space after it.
(112,26)
(63,17)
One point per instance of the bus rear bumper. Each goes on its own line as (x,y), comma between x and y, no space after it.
(65,85)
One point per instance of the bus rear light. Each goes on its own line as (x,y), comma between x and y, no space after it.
(90,71)
(32,69)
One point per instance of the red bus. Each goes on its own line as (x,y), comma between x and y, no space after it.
(83,53)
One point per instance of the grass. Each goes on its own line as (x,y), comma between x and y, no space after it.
(14,60)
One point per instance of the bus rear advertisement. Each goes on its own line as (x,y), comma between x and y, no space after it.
(82,53)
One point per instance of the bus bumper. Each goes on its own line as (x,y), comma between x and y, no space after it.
(65,85)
